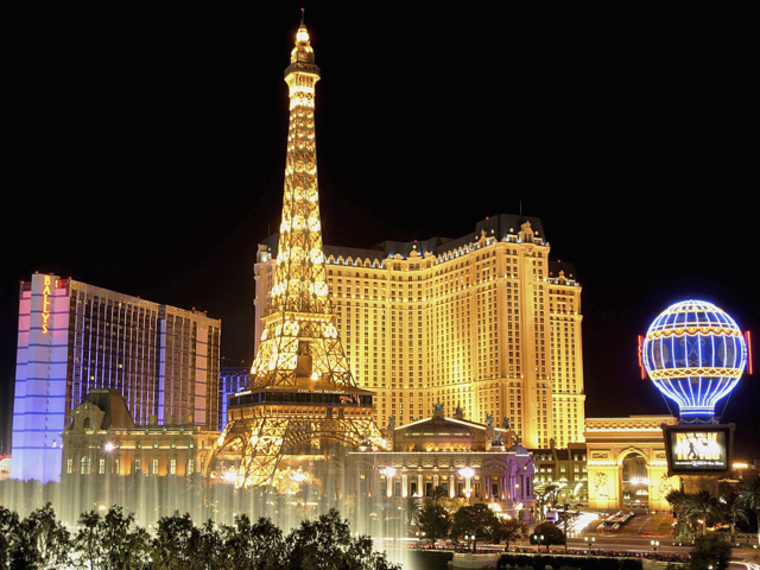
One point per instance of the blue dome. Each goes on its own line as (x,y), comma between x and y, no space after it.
(695,354)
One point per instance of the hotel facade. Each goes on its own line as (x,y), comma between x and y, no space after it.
(484,322)
(74,337)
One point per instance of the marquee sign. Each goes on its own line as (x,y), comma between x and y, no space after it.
(698,449)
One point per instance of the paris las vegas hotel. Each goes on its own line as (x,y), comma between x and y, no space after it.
(484,322)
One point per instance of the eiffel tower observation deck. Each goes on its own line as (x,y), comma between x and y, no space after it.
(303,400)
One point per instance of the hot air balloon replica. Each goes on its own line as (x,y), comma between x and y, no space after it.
(695,354)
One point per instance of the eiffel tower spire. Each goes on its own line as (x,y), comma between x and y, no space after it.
(300,341)
(302,398)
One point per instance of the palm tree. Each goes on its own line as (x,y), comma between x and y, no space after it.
(749,493)
(545,495)
(701,507)
(677,500)
(733,510)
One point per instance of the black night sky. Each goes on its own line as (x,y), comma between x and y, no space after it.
(145,154)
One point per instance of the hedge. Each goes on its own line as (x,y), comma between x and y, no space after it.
(540,562)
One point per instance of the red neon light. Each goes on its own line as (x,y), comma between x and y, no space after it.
(748,338)
(641,358)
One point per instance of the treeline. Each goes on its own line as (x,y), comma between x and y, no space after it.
(112,541)
(733,508)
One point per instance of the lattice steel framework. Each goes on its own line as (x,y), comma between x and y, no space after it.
(300,350)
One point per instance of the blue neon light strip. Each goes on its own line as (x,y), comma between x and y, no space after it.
(696,325)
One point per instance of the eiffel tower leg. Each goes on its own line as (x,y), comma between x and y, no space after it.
(262,451)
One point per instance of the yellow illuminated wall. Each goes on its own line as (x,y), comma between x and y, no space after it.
(482,326)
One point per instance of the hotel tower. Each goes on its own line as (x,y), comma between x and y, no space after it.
(74,338)
(484,322)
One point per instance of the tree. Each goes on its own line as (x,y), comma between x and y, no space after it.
(678,501)
(437,494)
(749,492)
(126,544)
(210,551)
(413,508)
(175,543)
(87,539)
(701,507)
(544,496)
(476,521)
(258,545)
(326,544)
(710,553)
(548,534)
(732,510)
(112,541)
(508,530)
(41,541)
(434,521)
(9,524)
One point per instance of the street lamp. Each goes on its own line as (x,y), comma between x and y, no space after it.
(539,539)
(589,541)
(467,473)
(389,473)
(109,448)
(564,521)
(655,544)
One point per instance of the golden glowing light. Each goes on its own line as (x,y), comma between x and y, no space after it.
(46,292)
(299,340)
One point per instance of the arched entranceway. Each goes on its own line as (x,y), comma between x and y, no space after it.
(634,480)
(634,445)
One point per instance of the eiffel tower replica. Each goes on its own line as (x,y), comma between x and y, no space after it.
(302,397)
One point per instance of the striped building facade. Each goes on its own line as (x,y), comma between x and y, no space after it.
(74,337)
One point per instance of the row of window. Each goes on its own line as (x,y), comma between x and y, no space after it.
(86,466)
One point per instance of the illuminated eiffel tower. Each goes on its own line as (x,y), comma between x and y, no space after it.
(302,398)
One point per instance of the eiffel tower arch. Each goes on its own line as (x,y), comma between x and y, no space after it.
(303,402)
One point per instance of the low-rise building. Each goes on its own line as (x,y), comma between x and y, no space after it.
(561,474)
(102,439)
(464,458)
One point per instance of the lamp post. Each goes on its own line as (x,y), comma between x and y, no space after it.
(467,473)
(564,523)
(389,473)
(109,448)
(539,539)
(589,541)
(655,544)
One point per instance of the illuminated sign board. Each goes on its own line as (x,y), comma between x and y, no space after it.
(698,449)
(46,294)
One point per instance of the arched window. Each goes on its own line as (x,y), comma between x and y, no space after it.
(86,424)
(85,465)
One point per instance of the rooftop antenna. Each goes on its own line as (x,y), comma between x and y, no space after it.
(521,208)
